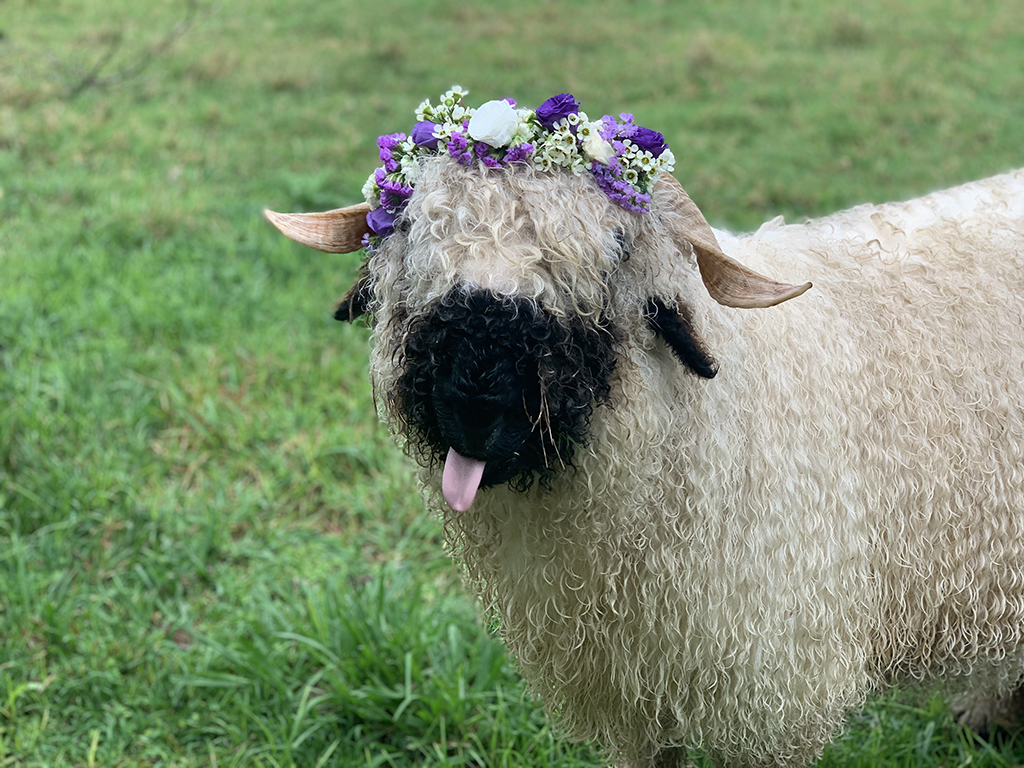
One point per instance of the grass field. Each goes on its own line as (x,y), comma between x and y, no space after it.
(210,552)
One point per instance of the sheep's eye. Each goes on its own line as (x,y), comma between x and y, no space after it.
(623,243)
(403,226)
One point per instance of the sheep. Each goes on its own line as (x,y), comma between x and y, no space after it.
(711,509)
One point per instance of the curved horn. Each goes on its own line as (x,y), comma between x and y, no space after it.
(729,282)
(337,231)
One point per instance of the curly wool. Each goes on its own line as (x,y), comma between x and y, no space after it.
(736,562)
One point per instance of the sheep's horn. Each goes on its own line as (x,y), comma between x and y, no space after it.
(337,231)
(729,282)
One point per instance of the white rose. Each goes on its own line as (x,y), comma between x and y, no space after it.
(494,123)
(598,149)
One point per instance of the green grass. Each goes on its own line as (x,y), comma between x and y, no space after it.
(210,551)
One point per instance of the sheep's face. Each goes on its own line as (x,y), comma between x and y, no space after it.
(494,312)
(500,302)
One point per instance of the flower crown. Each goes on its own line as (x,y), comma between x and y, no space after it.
(623,157)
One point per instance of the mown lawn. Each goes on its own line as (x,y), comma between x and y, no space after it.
(210,551)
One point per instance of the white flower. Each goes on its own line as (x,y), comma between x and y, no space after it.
(667,161)
(562,129)
(424,111)
(371,192)
(494,123)
(558,155)
(630,176)
(413,170)
(523,134)
(598,149)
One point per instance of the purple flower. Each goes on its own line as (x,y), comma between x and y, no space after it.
(649,141)
(481,150)
(618,191)
(423,134)
(381,222)
(519,154)
(458,147)
(393,195)
(389,142)
(386,144)
(557,108)
(609,128)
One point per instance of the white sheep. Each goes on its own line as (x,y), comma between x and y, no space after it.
(679,558)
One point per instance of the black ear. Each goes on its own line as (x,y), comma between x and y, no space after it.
(356,299)
(675,326)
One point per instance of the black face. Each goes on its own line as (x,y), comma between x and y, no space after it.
(503,382)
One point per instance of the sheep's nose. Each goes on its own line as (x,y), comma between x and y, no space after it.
(484,388)
(481,399)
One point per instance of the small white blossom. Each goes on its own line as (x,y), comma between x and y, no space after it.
(559,128)
(413,170)
(424,111)
(558,155)
(565,142)
(371,192)
(524,133)
(495,123)
(667,161)
(630,176)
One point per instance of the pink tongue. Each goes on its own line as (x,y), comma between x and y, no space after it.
(460,480)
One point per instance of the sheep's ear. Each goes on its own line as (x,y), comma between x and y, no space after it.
(337,231)
(356,299)
(675,326)
(729,282)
